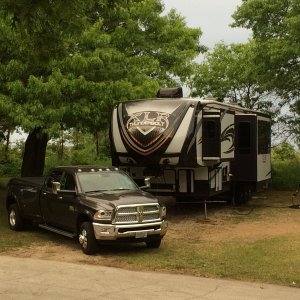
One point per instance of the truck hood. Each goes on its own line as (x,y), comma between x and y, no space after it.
(111,200)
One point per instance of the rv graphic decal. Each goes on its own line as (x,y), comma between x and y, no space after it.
(147,121)
(228,135)
(146,132)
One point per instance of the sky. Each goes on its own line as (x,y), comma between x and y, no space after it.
(213,17)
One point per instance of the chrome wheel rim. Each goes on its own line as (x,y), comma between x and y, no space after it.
(83,238)
(12,217)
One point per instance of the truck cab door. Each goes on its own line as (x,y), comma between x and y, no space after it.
(66,203)
(48,199)
(60,208)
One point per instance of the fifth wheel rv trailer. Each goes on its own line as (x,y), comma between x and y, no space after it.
(191,148)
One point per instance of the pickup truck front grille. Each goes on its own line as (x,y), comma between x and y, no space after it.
(134,214)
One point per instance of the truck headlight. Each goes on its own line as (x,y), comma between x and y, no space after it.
(163,212)
(103,215)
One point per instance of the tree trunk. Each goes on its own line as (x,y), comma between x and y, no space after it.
(34,154)
(6,149)
(96,136)
(61,146)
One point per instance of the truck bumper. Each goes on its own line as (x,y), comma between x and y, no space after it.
(138,231)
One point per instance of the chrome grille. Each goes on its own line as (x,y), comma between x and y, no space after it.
(135,214)
(151,217)
(126,219)
(126,210)
(150,208)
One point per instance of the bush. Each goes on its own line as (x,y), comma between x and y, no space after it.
(4,182)
(286,174)
(84,155)
(284,151)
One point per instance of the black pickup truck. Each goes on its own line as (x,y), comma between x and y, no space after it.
(91,203)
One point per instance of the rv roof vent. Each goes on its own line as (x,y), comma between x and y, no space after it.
(170,93)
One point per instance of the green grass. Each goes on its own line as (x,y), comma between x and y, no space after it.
(271,260)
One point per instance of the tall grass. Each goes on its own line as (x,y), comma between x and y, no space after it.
(286,174)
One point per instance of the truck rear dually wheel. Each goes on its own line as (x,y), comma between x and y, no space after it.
(87,238)
(15,220)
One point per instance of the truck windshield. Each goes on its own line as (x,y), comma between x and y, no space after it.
(105,182)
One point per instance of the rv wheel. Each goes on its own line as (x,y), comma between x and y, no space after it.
(242,194)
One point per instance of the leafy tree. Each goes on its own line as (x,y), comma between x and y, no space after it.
(33,34)
(230,73)
(276,31)
(67,71)
(284,151)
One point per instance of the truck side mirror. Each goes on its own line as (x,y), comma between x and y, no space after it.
(147,182)
(55,186)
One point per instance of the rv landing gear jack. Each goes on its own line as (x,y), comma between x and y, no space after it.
(205,210)
(206,219)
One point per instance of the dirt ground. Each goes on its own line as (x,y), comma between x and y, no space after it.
(266,215)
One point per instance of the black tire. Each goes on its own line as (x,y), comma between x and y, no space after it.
(243,194)
(248,194)
(154,243)
(87,238)
(15,219)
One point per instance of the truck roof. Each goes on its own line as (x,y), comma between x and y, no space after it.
(85,168)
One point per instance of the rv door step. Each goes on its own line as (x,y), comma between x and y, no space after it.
(56,230)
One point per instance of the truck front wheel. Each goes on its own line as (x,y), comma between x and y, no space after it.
(153,243)
(87,238)
(15,220)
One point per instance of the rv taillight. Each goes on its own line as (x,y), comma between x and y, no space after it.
(170,93)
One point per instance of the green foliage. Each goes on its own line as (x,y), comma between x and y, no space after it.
(66,63)
(284,151)
(10,163)
(230,72)
(286,173)
(4,182)
(79,149)
(11,167)
(276,32)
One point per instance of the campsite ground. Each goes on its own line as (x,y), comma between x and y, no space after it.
(258,242)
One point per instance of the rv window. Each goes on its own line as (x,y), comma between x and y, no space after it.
(264,137)
(211,137)
(244,137)
(209,129)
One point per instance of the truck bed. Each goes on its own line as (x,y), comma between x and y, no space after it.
(31,181)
